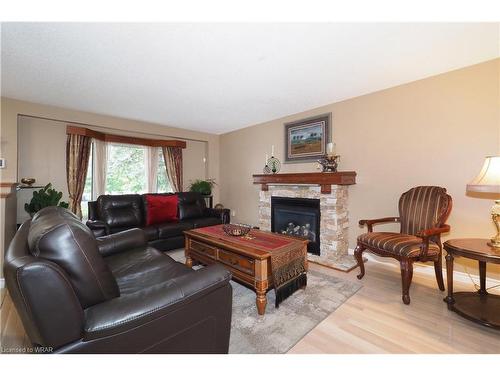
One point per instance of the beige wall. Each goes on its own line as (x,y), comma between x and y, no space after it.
(435,131)
(11,109)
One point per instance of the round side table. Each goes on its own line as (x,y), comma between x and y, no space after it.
(481,306)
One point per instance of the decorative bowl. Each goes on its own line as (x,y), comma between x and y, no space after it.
(28,181)
(236,230)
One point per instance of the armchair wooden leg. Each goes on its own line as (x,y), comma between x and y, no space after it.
(358,254)
(406,276)
(438,269)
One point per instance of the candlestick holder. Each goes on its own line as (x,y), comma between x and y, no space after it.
(329,163)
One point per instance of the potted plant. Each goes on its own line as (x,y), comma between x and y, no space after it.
(44,198)
(203,187)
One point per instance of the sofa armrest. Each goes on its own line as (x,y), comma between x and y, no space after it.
(177,306)
(223,214)
(122,241)
(98,227)
(92,207)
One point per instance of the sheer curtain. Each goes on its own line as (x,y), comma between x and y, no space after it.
(173,165)
(100,168)
(152,168)
(77,160)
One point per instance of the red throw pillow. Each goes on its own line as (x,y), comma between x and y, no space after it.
(161,208)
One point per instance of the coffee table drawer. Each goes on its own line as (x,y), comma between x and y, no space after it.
(237,261)
(204,249)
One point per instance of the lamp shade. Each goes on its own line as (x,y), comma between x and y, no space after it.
(488,180)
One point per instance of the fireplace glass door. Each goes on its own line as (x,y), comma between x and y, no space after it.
(297,217)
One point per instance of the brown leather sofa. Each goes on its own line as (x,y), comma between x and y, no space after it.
(78,294)
(115,213)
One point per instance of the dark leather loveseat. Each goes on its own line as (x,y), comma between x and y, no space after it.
(115,213)
(78,294)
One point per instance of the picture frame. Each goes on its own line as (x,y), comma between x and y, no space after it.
(306,140)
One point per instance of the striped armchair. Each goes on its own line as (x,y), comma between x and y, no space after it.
(423,211)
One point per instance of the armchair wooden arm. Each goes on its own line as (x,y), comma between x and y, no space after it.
(433,231)
(426,234)
(370,223)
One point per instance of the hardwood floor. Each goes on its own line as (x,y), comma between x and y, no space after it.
(374,320)
(12,333)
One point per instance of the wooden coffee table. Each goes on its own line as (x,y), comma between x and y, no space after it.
(248,258)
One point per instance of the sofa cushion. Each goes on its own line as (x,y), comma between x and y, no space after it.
(167,230)
(124,262)
(170,243)
(151,232)
(191,205)
(160,208)
(113,230)
(204,222)
(121,210)
(59,236)
(141,268)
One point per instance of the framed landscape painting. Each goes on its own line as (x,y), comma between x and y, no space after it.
(306,140)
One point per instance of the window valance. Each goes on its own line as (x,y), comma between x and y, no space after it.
(124,139)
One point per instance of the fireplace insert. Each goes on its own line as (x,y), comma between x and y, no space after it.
(298,217)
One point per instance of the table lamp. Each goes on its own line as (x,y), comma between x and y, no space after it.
(488,181)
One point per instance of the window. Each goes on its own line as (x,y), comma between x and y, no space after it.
(162,181)
(126,171)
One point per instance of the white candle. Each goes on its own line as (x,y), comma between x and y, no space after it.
(267,158)
(272,151)
(330,148)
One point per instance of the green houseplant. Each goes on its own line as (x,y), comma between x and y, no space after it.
(44,198)
(202,186)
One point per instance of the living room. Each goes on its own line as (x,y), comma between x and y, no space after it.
(222,194)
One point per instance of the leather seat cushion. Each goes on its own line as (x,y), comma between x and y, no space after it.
(151,232)
(404,245)
(113,230)
(140,268)
(205,222)
(167,230)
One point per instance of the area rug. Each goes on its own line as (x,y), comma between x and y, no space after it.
(280,329)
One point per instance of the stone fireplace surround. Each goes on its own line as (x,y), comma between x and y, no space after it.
(334,222)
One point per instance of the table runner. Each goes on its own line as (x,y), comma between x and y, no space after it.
(288,263)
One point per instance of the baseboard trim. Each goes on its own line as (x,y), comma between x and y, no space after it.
(426,269)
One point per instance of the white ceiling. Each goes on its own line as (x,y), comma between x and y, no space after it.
(221,77)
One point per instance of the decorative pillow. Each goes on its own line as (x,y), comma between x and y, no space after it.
(161,208)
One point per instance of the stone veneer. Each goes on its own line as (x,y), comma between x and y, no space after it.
(334,224)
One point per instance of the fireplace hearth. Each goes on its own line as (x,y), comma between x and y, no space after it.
(299,217)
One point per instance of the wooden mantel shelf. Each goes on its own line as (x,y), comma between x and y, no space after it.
(325,180)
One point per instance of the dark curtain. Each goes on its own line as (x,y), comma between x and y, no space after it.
(173,165)
(77,160)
